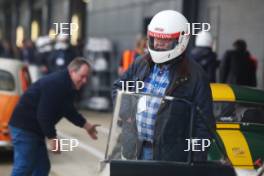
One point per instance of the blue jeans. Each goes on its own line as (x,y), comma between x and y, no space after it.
(30,154)
(147,153)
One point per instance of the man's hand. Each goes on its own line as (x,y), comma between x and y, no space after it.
(54,145)
(91,129)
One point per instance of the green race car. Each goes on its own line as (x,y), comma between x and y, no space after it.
(239,112)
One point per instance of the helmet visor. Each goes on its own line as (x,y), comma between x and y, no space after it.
(162,42)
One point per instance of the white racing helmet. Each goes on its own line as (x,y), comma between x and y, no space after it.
(44,44)
(171,25)
(204,39)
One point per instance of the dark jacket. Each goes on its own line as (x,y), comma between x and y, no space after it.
(207,59)
(45,103)
(60,59)
(42,58)
(187,80)
(238,68)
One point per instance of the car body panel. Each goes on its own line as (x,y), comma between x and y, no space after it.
(243,142)
(217,92)
(7,105)
(247,94)
(232,93)
(236,147)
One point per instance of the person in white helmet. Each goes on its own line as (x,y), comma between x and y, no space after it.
(62,54)
(44,48)
(204,55)
(167,72)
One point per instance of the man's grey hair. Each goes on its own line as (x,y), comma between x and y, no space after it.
(76,63)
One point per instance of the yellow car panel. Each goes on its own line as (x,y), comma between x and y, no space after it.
(237,148)
(227,126)
(222,92)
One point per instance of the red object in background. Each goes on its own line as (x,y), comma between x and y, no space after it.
(258,162)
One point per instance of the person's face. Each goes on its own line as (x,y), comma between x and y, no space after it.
(162,44)
(79,77)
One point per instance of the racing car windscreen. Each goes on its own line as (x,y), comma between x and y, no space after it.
(239,112)
(134,120)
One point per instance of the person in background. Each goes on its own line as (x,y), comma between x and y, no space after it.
(44,48)
(27,52)
(7,50)
(204,55)
(129,56)
(78,49)
(1,48)
(62,54)
(238,66)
